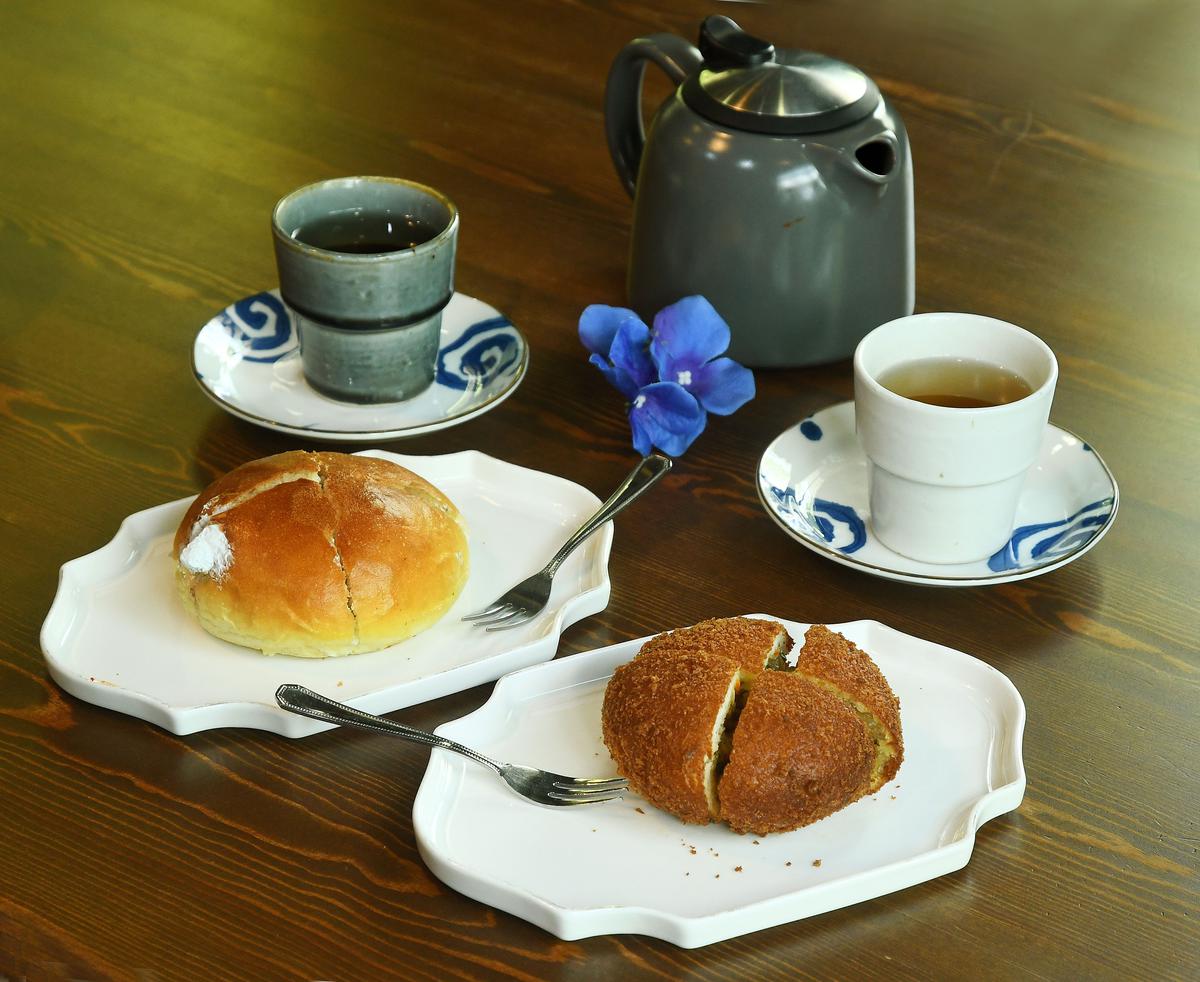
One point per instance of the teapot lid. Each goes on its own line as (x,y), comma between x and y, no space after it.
(746,84)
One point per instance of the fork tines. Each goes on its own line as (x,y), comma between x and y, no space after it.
(500,617)
(583,791)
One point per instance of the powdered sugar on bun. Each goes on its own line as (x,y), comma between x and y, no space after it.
(208,552)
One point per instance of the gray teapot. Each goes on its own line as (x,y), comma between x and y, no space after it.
(778,184)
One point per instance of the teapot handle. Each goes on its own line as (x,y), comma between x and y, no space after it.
(623,95)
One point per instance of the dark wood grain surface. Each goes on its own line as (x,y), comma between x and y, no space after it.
(1057,162)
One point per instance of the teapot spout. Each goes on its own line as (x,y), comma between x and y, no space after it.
(877,159)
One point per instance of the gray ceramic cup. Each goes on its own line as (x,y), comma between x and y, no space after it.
(369,322)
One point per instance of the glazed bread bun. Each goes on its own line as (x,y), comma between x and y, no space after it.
(320,554)
(711,723)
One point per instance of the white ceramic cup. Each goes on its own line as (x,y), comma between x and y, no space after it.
(944,482)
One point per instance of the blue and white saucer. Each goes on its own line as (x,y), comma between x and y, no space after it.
(812,480)
(247,360)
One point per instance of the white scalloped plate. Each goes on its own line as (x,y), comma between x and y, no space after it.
(117,635)
(625,867)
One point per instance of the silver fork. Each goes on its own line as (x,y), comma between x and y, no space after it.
(543,787)
(528,599)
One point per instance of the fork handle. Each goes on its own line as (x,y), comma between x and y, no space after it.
(304,702)
(643,477)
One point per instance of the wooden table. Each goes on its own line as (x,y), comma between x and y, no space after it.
(142,146)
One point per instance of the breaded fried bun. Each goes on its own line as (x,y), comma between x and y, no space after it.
(798,755)
(849,671)
(751,643)
(661,723)
(711,723)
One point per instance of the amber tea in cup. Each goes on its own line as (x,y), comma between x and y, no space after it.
(957,383)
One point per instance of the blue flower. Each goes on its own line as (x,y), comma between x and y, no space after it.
(672,376)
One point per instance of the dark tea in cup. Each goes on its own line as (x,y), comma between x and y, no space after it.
(360,231)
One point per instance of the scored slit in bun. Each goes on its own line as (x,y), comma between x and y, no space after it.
(711,723)
(320,554)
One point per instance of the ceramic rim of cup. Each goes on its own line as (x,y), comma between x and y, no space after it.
(291,242)
(916,405)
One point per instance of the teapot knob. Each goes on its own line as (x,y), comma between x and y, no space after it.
(725,45)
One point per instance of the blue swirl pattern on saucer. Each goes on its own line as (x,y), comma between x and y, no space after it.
(812,481)
(839,525)
(1031,545)
(263,327)
(483,352)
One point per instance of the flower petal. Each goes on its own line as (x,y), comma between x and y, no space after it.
(722,386)
(630,351)
(686,335)
(616,378)
(598,326)
(665,415)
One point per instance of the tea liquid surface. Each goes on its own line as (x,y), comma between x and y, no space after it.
(957,383)
(362,232)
